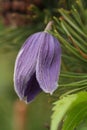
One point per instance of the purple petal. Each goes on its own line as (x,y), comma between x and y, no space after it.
(26,63)
(32,89)
(48,64)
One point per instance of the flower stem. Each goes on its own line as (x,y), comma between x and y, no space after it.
(49,26)
(20,112)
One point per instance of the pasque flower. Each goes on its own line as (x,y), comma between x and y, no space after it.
(37,66)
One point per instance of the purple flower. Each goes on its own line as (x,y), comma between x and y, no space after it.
(37,66)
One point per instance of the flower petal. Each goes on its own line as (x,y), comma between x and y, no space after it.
(48,64)
(26,63)
(32,89)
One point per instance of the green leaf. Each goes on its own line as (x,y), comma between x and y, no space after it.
(71,109)
(71,22)
(60,108)
(77,112)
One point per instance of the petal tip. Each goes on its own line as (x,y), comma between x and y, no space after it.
(50,90)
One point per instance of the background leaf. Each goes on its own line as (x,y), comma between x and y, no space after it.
(60,108)
(77,112)
(71,110)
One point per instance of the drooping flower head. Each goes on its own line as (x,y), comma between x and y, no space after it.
(37,66)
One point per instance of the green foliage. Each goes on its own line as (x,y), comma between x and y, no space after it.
(71,30)
(69,111)
(60,108)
